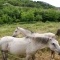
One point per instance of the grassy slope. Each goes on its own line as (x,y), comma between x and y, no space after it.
(7,29)
(40,27)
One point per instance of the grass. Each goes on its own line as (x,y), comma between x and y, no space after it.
(8,29)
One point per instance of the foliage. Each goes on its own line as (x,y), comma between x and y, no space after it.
(12,11)
(50,15)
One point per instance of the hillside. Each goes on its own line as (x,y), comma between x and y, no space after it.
(23,3)
(13,11)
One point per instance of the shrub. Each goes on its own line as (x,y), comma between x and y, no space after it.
(27,16)
(49,15)
(11,13)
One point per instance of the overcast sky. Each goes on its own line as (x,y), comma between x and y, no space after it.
(52,2)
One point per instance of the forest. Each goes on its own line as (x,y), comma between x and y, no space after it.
(13,11)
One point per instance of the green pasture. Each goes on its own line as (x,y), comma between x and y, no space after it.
(40,27)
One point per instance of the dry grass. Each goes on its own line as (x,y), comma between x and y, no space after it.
(46,56)
(38,56)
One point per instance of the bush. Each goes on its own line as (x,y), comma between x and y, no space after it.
(58,19)
(50,15)
(12,14)
(27,16)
